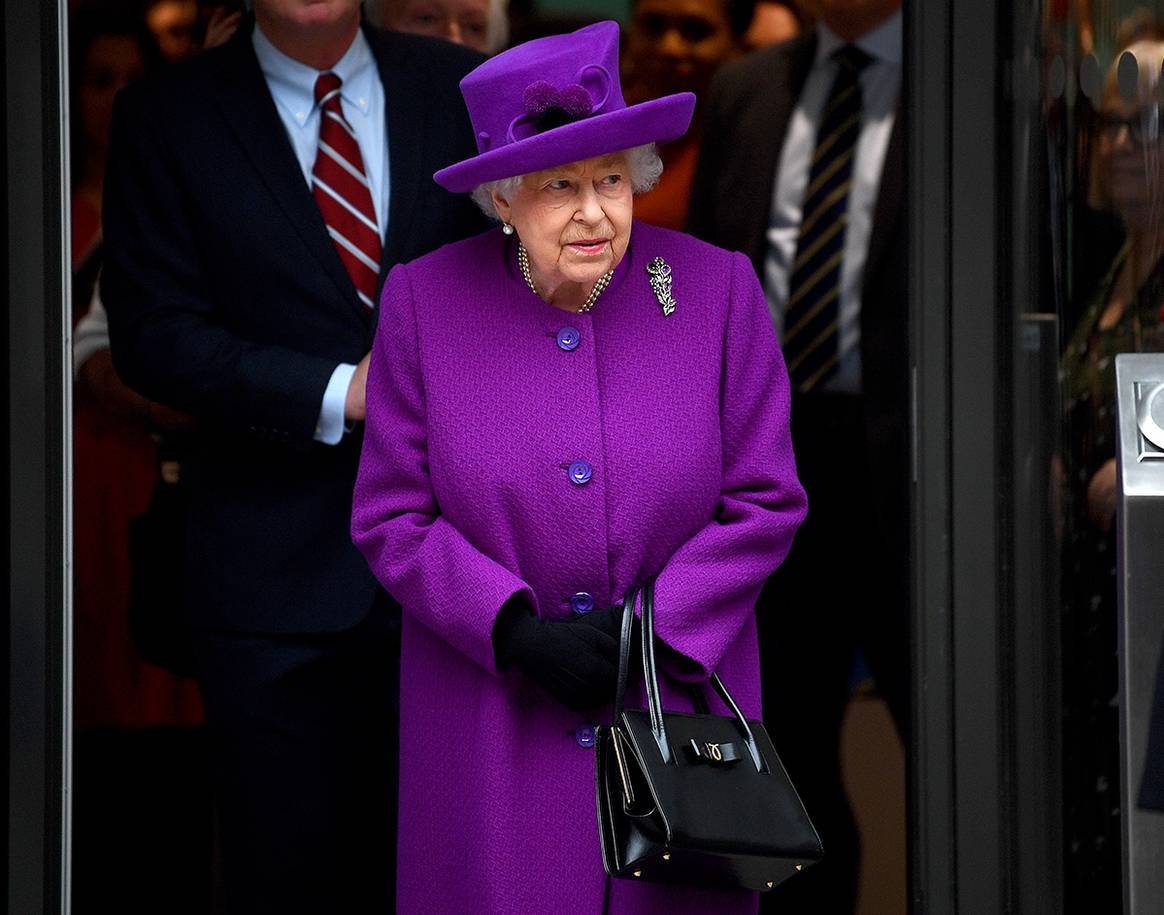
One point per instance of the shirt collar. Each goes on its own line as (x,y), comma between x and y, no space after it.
(293,83)
(882,43)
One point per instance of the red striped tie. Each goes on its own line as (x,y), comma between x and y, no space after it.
(342,192)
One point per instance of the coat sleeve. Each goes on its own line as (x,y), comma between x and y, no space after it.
(421,559)
(709,587)
(165,340)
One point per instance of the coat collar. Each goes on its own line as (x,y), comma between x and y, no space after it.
(788,67)
(242,95)
(791,67)
(406,115)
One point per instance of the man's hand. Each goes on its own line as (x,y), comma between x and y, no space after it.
(354,405)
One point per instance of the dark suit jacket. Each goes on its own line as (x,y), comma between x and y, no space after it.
(748,111)
(227,300)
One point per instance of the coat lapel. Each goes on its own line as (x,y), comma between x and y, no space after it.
(790,69)
(883,230)
(246,104)
(405,114)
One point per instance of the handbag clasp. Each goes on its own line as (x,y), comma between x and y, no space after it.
(715,754)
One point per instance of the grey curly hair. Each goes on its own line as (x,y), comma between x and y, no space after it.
(643,165)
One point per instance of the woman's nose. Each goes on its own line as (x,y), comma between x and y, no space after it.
(589,207)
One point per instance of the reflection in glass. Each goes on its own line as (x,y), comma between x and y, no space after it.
(1119,311)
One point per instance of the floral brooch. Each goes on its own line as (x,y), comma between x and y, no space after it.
(659,272)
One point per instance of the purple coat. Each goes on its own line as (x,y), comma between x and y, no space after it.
(476,409)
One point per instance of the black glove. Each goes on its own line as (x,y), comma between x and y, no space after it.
(575,660)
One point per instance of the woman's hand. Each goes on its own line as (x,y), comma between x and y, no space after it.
(575,660)
(221,27)
(1102,494)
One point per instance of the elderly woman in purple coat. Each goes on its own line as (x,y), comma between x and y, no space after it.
(559,409)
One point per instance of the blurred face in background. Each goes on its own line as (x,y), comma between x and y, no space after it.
(1128,143)
(464,22)
(173,24)
(772,23)
(851,19)
(111,63)
(677,45)
(1129,147)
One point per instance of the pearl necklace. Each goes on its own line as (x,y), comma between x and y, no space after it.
(523,265)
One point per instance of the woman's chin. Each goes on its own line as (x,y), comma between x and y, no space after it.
(588,274)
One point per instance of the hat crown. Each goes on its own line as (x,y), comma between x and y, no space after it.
(577,72)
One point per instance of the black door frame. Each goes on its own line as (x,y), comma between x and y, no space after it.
(38,458)
(986,830)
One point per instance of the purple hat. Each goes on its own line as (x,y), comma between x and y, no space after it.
(556,100)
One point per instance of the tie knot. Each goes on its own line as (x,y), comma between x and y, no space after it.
(849,56)
(327,86)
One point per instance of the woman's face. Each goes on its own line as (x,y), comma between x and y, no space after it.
(677,45)
(111,63)
(1130,148)
(574,220)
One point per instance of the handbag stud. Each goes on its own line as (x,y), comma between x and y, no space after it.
(771,883)
(638,873)
(800,867)
(666,856)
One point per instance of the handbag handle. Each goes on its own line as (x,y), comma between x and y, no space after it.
(651,681)
(628,620)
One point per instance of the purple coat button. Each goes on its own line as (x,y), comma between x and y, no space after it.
(585,736)
(568,339)
(580,472)
(582,602)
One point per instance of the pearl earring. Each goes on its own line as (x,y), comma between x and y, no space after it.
(507,228)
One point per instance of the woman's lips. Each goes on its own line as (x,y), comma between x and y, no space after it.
(589,245)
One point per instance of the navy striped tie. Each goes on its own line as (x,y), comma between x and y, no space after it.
(811,341)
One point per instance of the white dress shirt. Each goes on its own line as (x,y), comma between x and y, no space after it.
(880,84)
(292,85)
(91,335)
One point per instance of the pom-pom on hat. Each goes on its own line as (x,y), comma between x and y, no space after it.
(556,100)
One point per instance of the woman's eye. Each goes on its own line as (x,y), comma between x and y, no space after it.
(612,179)
(559,185)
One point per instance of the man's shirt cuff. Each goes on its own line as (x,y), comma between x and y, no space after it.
(330,428)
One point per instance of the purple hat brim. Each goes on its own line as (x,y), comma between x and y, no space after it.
(657,121)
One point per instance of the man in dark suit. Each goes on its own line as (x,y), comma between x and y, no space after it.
(255,198)
(802,168)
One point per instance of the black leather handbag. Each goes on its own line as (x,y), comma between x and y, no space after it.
(694,798)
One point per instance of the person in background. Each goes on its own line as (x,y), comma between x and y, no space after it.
(141,839)
(253,199)
(174,25)
(109,49)
(183,28)
(773,23)
(1122,314)
(802,168)
(677,46)
(547,429)
(482,25)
